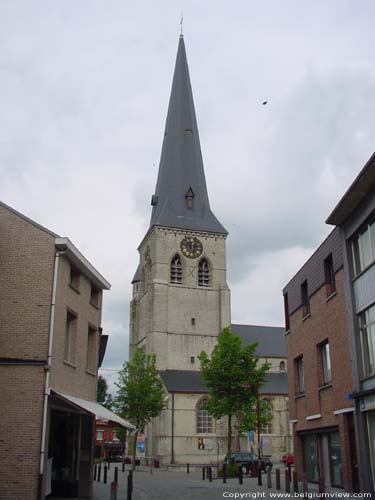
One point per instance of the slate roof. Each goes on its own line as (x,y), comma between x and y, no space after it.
(271,339)
(181,164)
(185,381)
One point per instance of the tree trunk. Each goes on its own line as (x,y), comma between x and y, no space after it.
(134,449)
(229,451)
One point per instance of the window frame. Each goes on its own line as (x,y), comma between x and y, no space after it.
(176,274)
(70,337)
(299,370)
(267,428)
(92,349)
(203,420)
(325,368)
(366,321)
(204,273)
(305,302)
(329,275)
(358,248)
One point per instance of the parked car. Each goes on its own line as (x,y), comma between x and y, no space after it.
(288,459)
(246,460)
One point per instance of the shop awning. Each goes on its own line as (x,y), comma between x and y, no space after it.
(101,413)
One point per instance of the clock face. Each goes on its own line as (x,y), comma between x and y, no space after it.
(191,247)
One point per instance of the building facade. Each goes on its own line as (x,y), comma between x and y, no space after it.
(181,299)
(320,379)
(354,217)
(51,344)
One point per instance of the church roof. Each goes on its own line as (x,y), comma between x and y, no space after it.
(181,172)
(271,339)
(186,381)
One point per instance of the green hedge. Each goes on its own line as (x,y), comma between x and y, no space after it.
(232,470)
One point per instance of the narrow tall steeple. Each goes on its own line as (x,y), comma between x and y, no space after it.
(181,199)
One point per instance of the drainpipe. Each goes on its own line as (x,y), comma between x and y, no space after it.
(47,370)
(172,437)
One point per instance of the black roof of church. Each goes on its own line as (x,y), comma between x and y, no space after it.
(181,164)
(271,339)
(191,381)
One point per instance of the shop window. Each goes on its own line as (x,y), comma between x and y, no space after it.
(363,249)
(367,334)
(204,419)
(310,458)
(329,275)
(325,363)
(305,300)
(300,375)
(335,459)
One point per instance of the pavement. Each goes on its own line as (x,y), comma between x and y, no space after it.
(159,484)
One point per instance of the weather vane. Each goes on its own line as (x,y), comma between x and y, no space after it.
(182,20)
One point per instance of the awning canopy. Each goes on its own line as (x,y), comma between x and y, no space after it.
(101,413)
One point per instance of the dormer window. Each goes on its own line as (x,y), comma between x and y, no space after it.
(176,270)
(189,198)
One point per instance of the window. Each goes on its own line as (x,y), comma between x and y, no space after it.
(192,359)
(70,333)
(204,419)
(325,363)
(363,248)
(192,321)
(203,273)
(94,296)
(367,334)
(99,435)
(92,343)
(286,312)
(267,412)
(176,270)
(305,299)
(282,366)
(329,275)
(74,278)
(300,376)
(189,198)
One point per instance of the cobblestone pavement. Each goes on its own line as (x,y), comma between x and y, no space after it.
(165,485)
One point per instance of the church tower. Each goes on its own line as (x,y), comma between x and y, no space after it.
(181,300)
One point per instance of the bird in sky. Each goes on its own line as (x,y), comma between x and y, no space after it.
(264,103)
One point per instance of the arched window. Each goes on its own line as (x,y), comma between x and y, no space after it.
(267,428)
(176,270)
(203,273)
(204,419)
(282,366)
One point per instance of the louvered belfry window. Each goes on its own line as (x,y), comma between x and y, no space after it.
(204,273)
(176,270)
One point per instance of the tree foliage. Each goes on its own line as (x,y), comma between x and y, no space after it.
(232,376)
(140,395)
(102,395)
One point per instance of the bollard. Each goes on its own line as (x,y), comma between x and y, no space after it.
(254,470)
(187,468)
(109,463)
(116,475)
(95,467)
(287,481)
(321,485)
(224,473)
(278,479)
(123,466)
(259,476)
(204,473)
(240,476)
(295,482)
(105,475)
(130,485)
(113,491)
(290,472)
(210,474)
(305,487)
(99,472)
(269,478)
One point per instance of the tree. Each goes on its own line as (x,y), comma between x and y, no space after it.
(102,395)
(233,378)
(140,396)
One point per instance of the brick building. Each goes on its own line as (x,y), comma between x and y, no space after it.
(107,442)
(51,343)
(320,378)
(354,217)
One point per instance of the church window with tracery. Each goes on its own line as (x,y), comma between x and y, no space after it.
(204,273)
(176,270)
(266,428)
(204,419)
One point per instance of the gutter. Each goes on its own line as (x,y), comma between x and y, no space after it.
(47,370)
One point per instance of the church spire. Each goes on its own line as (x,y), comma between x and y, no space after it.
(181,199)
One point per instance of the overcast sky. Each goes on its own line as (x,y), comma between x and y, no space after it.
(84,90)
